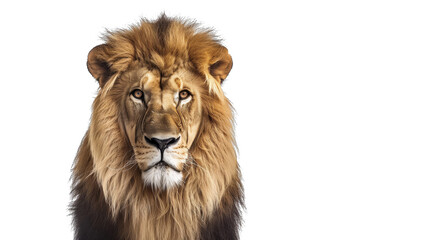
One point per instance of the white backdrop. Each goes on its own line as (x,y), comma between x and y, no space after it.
(331,100)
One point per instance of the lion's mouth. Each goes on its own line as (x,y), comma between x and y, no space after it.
(162,164)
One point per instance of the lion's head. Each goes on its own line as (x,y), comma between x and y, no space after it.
(161,140)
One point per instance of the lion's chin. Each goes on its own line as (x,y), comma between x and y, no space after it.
(162,177)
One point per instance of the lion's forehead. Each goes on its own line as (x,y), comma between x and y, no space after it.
(155,81)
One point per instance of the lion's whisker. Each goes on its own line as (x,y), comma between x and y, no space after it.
(193,162)
(127,166)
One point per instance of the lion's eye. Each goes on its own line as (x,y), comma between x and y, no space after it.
(184,94)
(137,94)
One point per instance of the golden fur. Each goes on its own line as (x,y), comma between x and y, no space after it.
(211,176)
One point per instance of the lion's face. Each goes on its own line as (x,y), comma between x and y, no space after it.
(161,118)
(160,87)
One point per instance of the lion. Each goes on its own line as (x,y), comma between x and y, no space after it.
(159,158)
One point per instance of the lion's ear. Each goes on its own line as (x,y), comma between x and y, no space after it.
(97,65)
(220,64)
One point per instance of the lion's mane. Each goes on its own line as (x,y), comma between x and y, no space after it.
(110,200)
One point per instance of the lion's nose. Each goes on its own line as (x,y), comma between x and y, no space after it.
(162,144)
